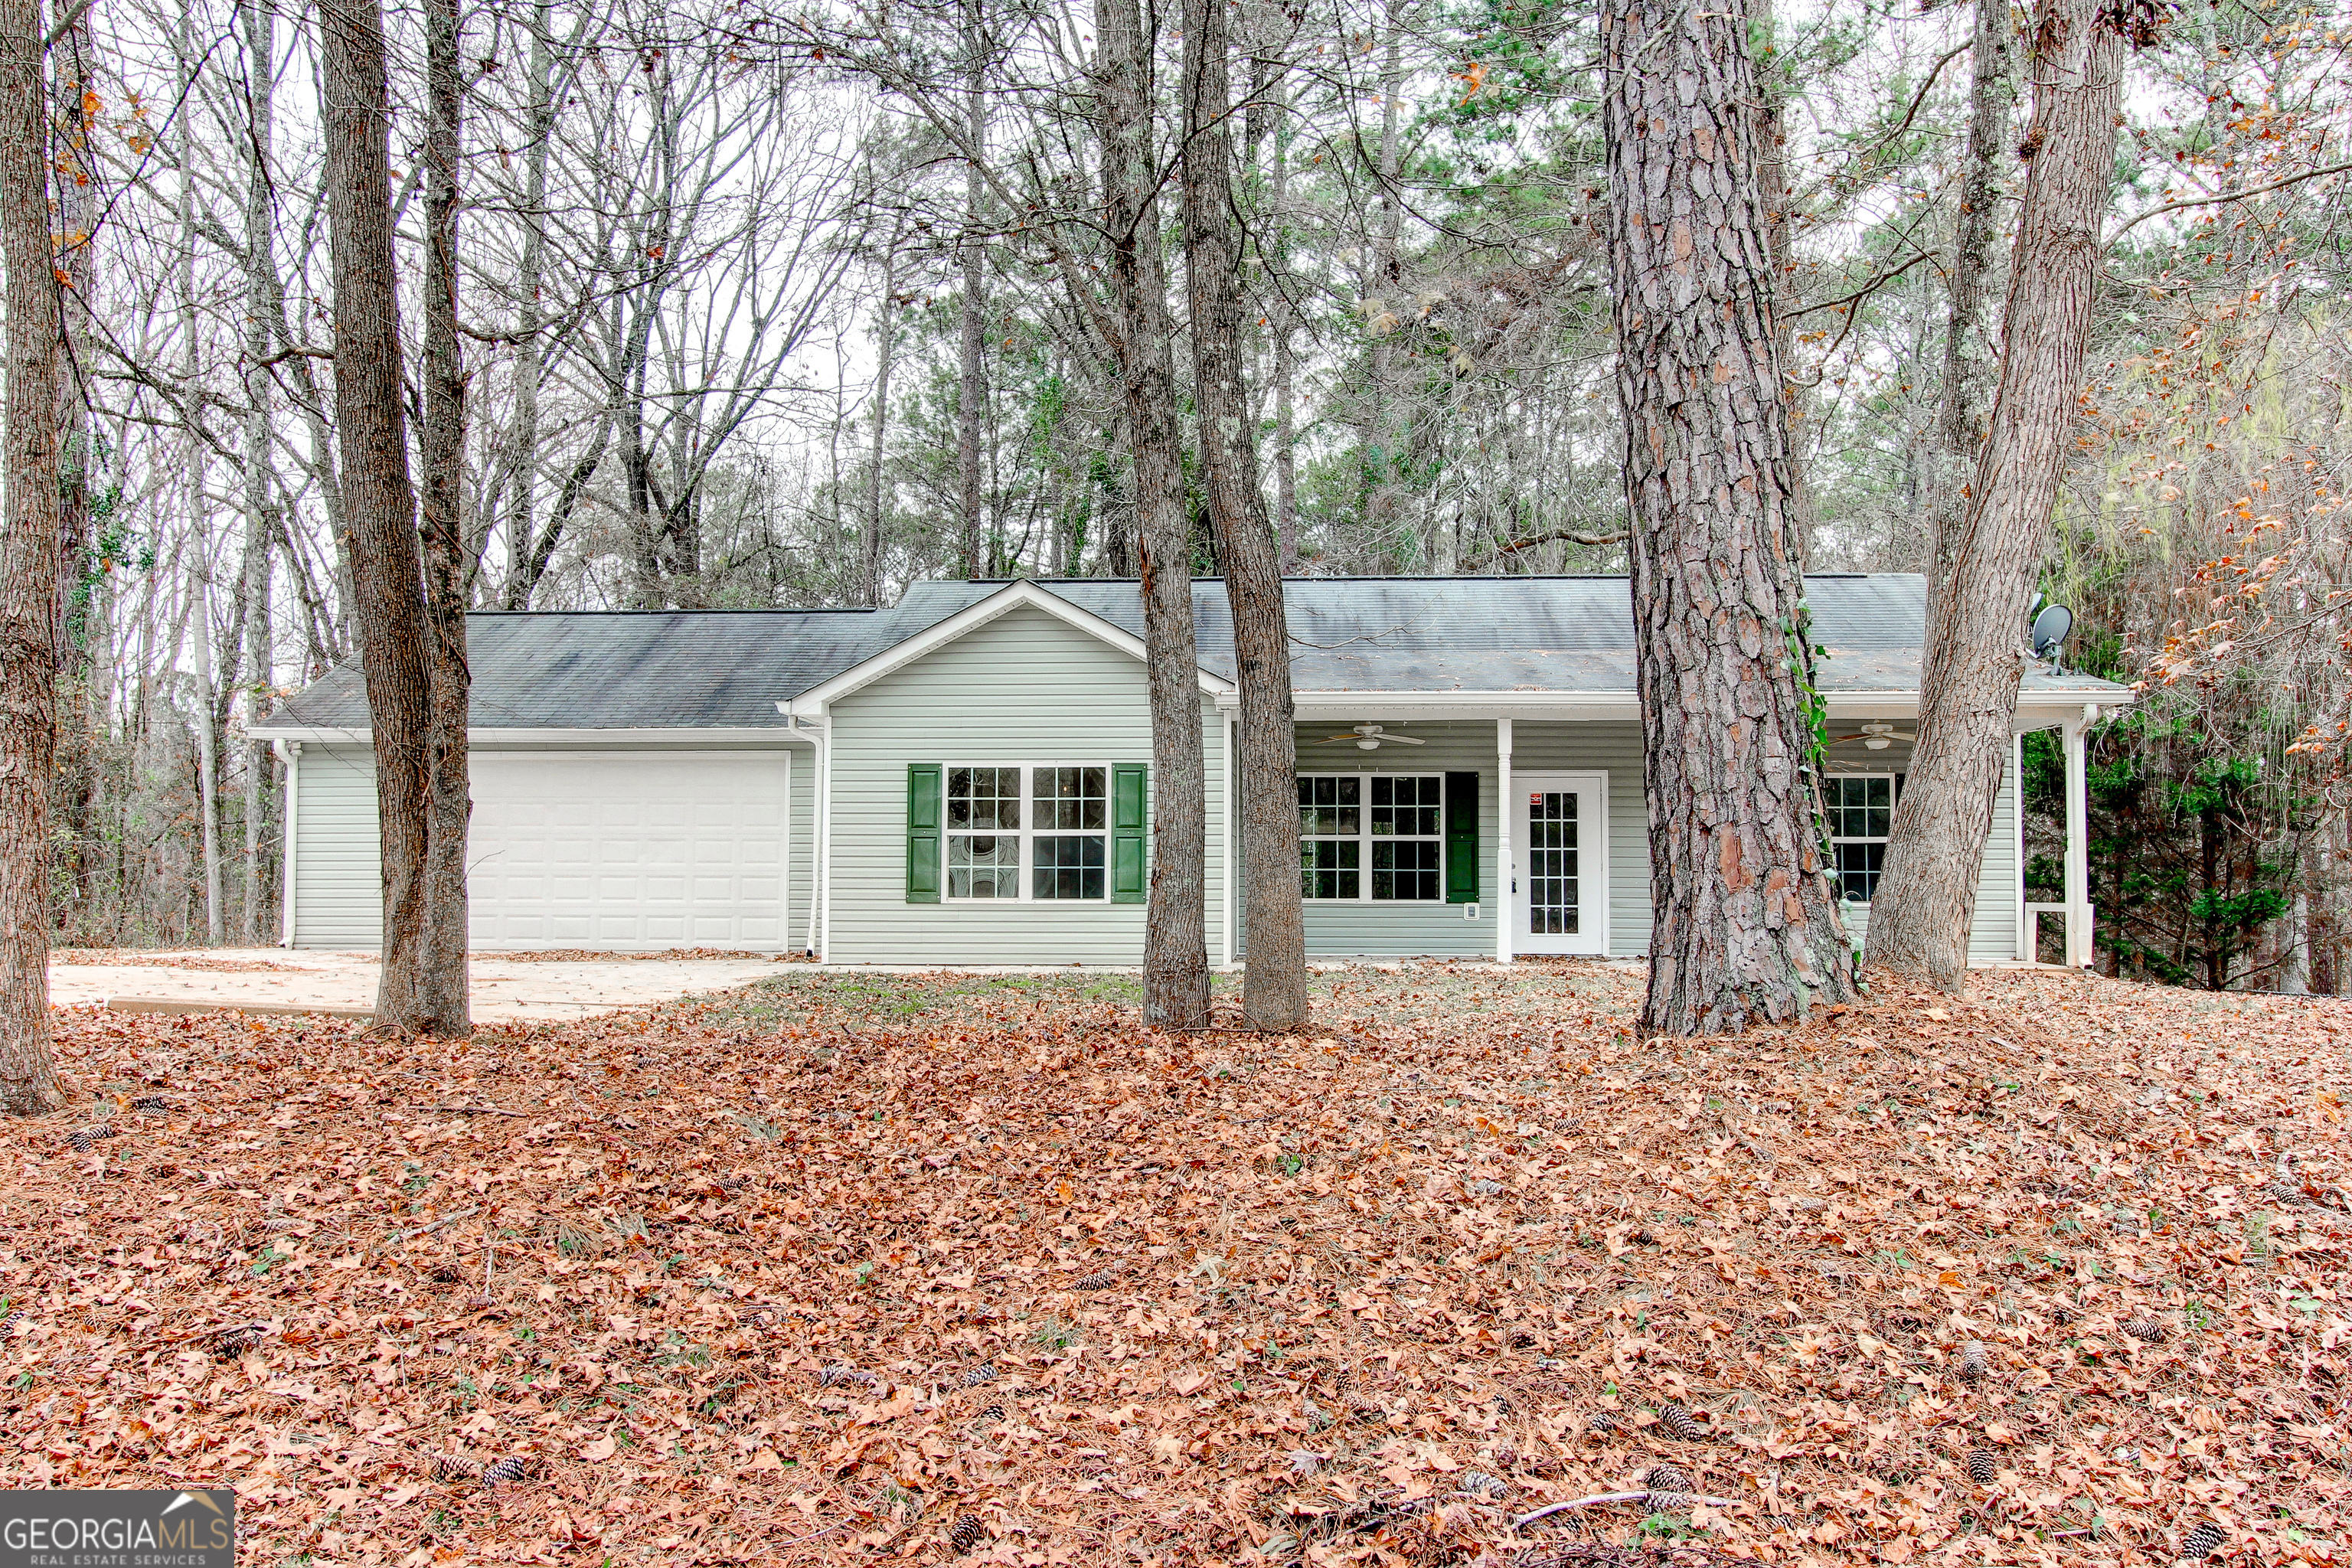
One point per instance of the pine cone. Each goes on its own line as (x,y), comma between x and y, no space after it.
(8,1324)
(2204,1540)
(1975,1362)
(1678,1421)
(150,1103)
(1983,1469)
(1095,1282)
(1477,1483)
(230,1343)
(82,1138)
(450,1468)
(967,1533)
(985,1373)
(1668,1479)
(507,1471)
(1670,1502)
(840,1373)
(2283,1193)
(993,1413)
(2146,1327)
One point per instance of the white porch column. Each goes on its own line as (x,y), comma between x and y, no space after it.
(2078,842)
(2026,920)
(1506,867)
(1229,946)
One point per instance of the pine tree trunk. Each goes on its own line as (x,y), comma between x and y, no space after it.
(886,323)
(1975,652)
(1745,928)
(1285,434)
(81,711)
(260,527)
(379,505)
(1969,357)
(972,390)
(30,559)
(441,447)
(1175,945)
(1274,991)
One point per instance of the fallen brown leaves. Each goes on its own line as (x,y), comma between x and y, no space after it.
(854,1267)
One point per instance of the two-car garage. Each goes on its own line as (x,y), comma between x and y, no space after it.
(614,848)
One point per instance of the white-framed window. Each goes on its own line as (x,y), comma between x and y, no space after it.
(1860,809)
(1377,837)
(1028,831)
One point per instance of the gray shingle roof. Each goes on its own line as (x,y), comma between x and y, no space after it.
(585,671)
(562,669)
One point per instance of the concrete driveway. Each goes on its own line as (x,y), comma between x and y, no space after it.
(505,987)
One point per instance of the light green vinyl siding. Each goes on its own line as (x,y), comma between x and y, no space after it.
(1366,928)
(1024,688)
(1993,930)
(1992,924)
(1372,929)
(338,887)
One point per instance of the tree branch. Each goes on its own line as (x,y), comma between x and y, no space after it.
(2227,196)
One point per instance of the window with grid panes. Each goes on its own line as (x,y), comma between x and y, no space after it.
(1377,836)
(1049,822)
(1861,808)
(1069,809)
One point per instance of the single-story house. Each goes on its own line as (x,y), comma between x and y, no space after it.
(963,779)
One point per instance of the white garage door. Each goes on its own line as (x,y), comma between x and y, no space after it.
(628,850)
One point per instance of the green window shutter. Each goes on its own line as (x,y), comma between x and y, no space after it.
(1130,807)
(923,789)
(1461,838)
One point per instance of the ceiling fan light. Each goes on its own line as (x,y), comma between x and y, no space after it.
(1877,744)
(1368,744)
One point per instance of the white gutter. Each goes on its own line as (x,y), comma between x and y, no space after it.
(556,735)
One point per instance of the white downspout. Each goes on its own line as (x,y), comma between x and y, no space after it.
(820,803)
(1507,878)
(290,753)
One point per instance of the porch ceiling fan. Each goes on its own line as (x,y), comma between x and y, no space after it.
(1875,736)
(1367,738)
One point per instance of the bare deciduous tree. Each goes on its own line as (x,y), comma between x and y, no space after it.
(1975,652)
(29,559)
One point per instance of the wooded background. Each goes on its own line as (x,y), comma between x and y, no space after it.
(779,308)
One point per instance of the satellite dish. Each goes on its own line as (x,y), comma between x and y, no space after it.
(2050,629)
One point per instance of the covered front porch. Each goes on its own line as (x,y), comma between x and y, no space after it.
(1501,828)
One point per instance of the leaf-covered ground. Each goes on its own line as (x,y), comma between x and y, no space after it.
(841,1268)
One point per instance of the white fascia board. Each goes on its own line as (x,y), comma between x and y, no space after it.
(1570,705)
(670,735)
(812,703)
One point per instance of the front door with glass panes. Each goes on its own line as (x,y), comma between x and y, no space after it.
(1560,845)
